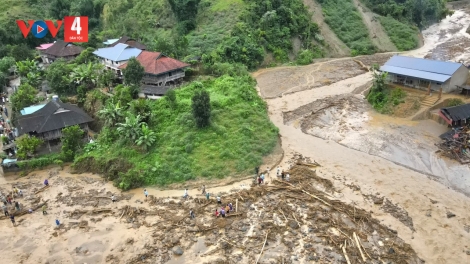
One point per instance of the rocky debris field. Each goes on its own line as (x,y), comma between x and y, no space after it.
(277,222)
(286,221)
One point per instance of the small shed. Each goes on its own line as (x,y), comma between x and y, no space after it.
(456,115)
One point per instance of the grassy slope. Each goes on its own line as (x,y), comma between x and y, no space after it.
(346,21)
(404,36)
(214,21)
(239,136)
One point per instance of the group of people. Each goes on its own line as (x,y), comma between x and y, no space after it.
(279,173)
(223,210)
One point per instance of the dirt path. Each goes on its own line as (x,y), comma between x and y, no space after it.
(335,48)
(376,32)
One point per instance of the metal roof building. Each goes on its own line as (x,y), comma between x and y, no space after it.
(425,73)
(120,52)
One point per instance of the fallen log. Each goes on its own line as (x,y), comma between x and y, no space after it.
(24,211)
(233,214)
(359,246)
(264,244)
(42,189)
(345,254)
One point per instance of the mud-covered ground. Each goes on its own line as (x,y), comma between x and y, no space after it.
(284,80)
(299,221)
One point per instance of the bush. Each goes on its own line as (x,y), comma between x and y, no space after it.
(455,102)
(37,163)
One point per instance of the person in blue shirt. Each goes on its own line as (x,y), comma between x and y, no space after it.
(46,182)
(57,222)
(146,194)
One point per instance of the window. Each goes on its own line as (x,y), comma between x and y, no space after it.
(169,74)
(409,81)
(438,83)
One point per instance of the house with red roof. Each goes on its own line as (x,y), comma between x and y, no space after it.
(161,73)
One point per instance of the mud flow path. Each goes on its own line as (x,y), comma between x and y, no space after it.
(372,153)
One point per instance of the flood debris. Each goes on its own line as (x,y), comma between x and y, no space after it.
(455,144)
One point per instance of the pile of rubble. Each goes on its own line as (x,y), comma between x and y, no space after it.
(282,222)
(455,144)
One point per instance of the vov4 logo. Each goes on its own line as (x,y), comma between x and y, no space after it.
(75,28)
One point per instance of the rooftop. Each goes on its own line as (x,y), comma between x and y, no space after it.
(157,63)
(44,46)
(63,49)
(129,41)
(31,109)
(457,113)
(110,41)
(54,115)
(432,70)
(120,52)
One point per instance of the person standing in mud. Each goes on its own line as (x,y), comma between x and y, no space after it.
(203,189)
(113,198)
(219,200)
(5,210)
(17,205)
(283,175)
(46,182)
(262,178)
(278,171)
(259,180)
(57,222)
(12,218)
(191,214)
(222,212)
(44,209)
(146,194)
(207,195)
(185,196)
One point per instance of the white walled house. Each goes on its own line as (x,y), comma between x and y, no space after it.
(113,57)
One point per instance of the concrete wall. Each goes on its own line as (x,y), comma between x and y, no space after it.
(459,77)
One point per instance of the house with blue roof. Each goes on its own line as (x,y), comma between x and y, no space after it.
(115,56)
(425,73)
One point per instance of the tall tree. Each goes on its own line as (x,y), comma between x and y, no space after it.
(25,96)
(6,63)
(58,77)
(72,140)
(86,74)
(133,73)
(201,108)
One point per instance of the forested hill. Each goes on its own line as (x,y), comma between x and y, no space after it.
(250,32)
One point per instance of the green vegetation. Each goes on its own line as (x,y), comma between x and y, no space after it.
(238,136)
(421,13)
(27,146)
(346,21)
(455,102)
(72,140)
(133,73)
(383,98)
(404,36)
(201,106)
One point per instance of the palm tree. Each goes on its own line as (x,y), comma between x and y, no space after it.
(111,114)
(25,67)
(131,128)
(86,74)
(34,79)
(147,137)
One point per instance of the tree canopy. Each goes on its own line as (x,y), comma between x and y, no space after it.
(133,73)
